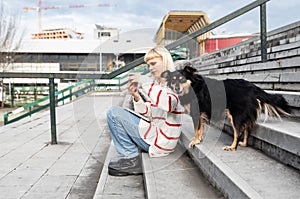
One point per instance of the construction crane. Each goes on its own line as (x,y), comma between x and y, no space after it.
(39,8)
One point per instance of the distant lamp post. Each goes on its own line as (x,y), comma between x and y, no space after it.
(117,56)
(100,53)
(100,59)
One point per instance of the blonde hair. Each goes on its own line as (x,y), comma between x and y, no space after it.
(163,53)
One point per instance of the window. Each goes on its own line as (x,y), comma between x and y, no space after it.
(73,58)
(63,58)
(105,34)
(53,58)
(46,58)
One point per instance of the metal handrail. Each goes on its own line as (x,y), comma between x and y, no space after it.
(177,43)
(210,27)
(30,106)
(91,85)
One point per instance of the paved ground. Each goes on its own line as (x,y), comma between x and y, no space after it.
(30,167)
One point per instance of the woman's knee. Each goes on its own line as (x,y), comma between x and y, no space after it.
(113,111)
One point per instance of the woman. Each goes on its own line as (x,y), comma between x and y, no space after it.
(157,137)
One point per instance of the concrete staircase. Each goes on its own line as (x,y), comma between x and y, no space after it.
(163,177)
(250,172)
(207,171)
(268,168)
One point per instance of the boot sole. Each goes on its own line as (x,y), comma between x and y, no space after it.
(113,172)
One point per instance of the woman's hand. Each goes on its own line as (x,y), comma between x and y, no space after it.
(132,88)
(133,85)
(133,77)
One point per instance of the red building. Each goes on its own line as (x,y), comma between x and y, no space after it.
(219,42)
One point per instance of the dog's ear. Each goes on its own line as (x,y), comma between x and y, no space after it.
(189,69)
(165,74)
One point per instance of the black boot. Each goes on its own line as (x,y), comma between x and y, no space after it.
(125,167)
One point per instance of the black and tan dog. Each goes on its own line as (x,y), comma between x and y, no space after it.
(208,100)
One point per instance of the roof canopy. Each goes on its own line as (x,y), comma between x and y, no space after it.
(181,21)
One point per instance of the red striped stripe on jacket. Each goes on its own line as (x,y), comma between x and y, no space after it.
(165,112)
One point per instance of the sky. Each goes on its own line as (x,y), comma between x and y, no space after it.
(129,15)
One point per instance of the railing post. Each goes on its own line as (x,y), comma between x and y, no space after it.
(71,94)
(52,110)
(35,93)
(5,118)
(63,96)
(263,32)
(12,95)
(93,85)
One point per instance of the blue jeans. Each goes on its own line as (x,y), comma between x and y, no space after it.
(125,132)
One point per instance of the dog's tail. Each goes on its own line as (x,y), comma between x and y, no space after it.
(273,105)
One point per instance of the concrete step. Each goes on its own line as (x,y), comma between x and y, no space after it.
(175,176)
(209,172)
(293,99)
(245,173)
(277,138)
(118,187)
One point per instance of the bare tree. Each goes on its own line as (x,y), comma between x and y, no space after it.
(10,41)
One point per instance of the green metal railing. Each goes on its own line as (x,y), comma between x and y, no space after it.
(67,93)
(44,103)
(137,62)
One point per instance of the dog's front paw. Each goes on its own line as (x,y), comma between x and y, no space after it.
(242,144)
(194,142)
(229,148)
